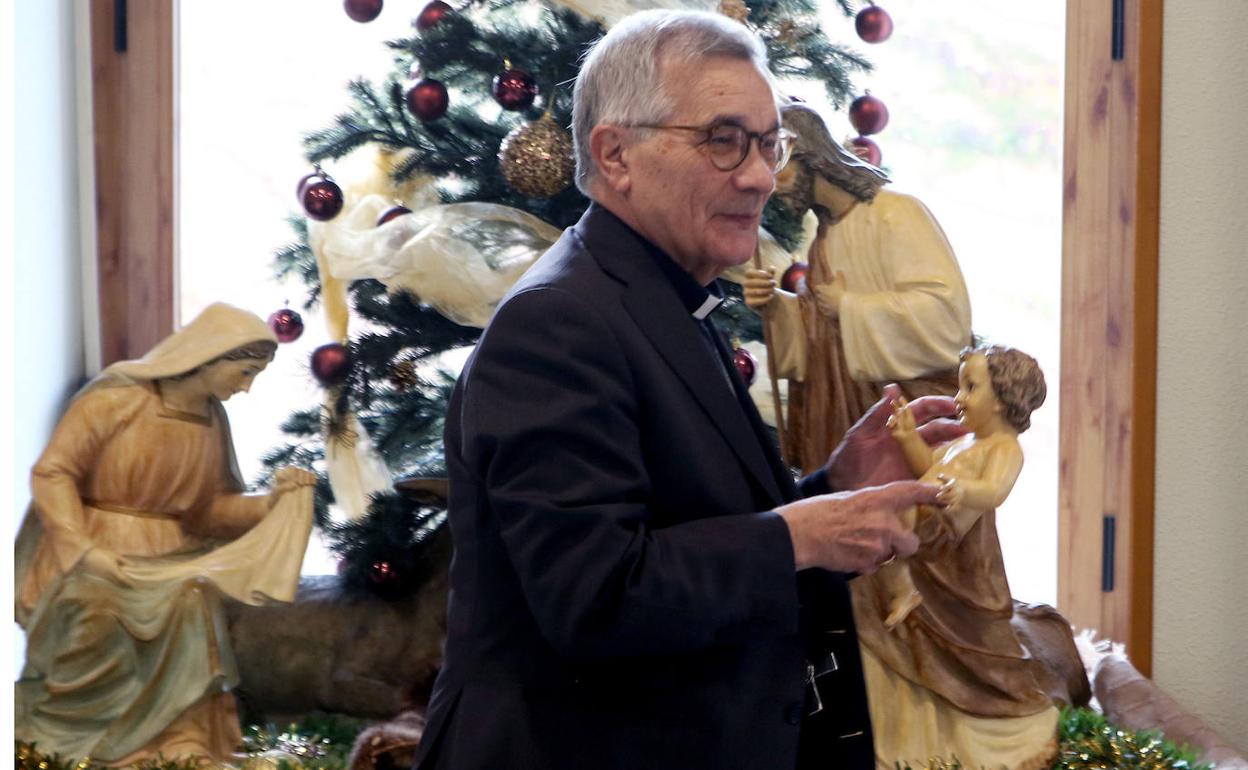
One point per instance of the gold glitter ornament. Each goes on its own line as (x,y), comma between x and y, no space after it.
(789,33)
(403,374)
(735,9)
(536,158)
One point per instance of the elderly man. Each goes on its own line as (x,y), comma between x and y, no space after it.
(632,585)
(884,301)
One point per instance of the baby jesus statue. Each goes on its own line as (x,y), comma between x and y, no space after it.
(998,388)
(946,674)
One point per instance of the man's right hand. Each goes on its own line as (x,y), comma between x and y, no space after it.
(759,289)
(855,531)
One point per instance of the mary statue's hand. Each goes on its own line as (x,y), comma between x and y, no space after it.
(106,564)
(289,479)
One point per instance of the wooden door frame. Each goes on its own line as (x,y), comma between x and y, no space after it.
(133,107)
(1111,198)
(1109,268)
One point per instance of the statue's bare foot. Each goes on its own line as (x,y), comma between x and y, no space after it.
(903,608)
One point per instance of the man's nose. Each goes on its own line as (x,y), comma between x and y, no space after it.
(755,173)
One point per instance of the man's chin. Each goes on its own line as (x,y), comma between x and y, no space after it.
(736,254)
(735,238)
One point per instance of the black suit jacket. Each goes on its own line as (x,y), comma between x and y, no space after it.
(622,594)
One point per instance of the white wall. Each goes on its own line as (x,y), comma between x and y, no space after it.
(48,349)
(1200,631)
(47,334)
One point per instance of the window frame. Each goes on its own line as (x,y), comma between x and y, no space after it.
(1111,193)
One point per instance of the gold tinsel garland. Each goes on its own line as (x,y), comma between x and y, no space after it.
(1110,748)
(1088,742)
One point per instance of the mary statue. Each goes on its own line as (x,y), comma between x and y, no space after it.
(137,529)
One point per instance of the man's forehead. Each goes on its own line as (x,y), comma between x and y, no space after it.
(744,120)
(721,89)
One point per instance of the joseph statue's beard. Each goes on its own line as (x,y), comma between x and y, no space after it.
(800,193)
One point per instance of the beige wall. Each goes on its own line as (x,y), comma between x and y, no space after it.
(1201,580)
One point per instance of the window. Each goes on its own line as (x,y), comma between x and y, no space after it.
(1109,192)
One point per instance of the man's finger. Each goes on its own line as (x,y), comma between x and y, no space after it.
(877,415)
(905,543)
(900,495)
(927,408)
(941,431)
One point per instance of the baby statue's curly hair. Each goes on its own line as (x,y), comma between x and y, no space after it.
(1016,379)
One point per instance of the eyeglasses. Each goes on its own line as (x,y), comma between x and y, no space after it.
(728,145)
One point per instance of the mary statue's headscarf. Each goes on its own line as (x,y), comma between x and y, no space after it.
(220,331)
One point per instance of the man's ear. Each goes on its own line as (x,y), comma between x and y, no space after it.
(607,146)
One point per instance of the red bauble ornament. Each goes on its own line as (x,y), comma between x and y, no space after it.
(514,89)
(874,25)
(868,115)
(793,276)
(428,99)
(322,199)
(382,573)
(431,14)
(866,149)
(286,324)
(391,213)
(305,180)
(331,364)
(362,10)
(747,365)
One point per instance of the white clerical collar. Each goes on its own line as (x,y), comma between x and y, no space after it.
(708,305)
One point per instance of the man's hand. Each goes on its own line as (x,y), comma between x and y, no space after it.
(855,531)
(106,564)
(759,290)
(869,456)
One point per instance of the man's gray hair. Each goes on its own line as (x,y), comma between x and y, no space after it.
(621,78)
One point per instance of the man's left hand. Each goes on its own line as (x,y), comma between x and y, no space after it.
(869,456)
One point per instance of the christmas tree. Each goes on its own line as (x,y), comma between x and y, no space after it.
(471,180)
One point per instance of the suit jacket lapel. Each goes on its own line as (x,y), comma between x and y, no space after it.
(652,302)
(781,473)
